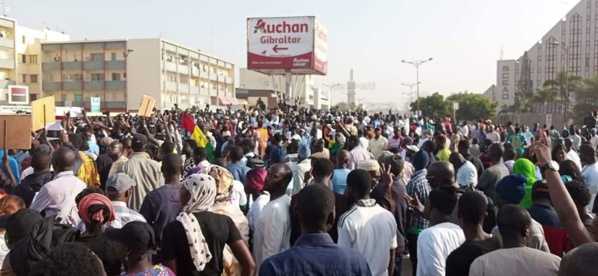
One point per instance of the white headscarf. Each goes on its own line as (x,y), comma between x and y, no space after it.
(202,188)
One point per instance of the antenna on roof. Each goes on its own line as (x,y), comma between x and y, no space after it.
(501,53)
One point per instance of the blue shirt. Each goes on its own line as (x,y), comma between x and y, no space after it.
(93,147)
(339,180)
(14,166)
(238,170)
(316,254)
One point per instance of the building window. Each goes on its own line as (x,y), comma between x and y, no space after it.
(76,77)
(23,39)
(78,97)
(113,56)
(115,76)
(96,57)
(97,77)
(24,78)
(23,59)
(575,46)
(33,59)
(33,78)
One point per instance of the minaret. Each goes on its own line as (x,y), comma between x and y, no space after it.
(351,89)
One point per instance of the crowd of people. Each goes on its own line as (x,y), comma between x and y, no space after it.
(299,192)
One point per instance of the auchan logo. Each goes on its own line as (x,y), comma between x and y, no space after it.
(284,27)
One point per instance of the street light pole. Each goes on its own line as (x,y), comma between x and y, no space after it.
(125,55)
(417,63)
(566,100)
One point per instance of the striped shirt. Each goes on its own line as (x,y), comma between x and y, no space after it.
(418,186)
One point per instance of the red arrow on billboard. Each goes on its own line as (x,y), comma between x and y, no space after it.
(276,48)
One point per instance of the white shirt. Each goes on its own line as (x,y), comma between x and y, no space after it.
(467,175)
(256,208)
(594,141)
(238,197)
(273,230)
(590,180)
(377,146)
(58,195)
(573,156)
(434,244)
(465,130)
(299,174)
(372,231)
(364,142)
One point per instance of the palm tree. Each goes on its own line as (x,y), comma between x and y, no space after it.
(544,95)
(564,84)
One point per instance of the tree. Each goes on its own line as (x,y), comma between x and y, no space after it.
(433,106)
(585,99)
(473,106)
(545,95)
(563,84)
(344,107)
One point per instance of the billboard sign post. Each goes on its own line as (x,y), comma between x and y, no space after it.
(279,45)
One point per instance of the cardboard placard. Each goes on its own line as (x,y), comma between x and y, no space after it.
(147,106)
(13,132)
(43,112)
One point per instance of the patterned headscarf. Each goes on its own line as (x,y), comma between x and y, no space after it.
(224,181)
(202,188)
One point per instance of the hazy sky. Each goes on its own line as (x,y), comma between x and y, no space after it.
(463,36)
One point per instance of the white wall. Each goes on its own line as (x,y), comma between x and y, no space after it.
(144,72)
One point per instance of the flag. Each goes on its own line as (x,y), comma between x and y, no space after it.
(198,136)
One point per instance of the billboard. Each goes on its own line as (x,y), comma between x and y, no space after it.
(18,94)
(276,45)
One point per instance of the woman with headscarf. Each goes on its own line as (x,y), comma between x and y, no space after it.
(96,211)
(194,243)
(526,168)
(223,205)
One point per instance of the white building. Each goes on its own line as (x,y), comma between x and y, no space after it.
(122,71)
(573,39)
(302,86)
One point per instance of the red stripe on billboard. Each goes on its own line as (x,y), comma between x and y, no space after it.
(255,61)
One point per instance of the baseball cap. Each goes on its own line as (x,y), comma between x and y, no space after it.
(137,236)
(139,140)
(19,224)
(120,182)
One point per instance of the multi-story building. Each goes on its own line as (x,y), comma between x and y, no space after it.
(28,49)
(571,44)
(122,71)
(8,65)
(302,86)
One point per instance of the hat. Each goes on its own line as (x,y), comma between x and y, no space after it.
(120,182)
(413,148)
(137,236)
(511,188)
(106,141)
(19,224)
(368,165)
(304,152)
(138,140)
(421,160)
(296,137)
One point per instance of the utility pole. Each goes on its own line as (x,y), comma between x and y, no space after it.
(417,64)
